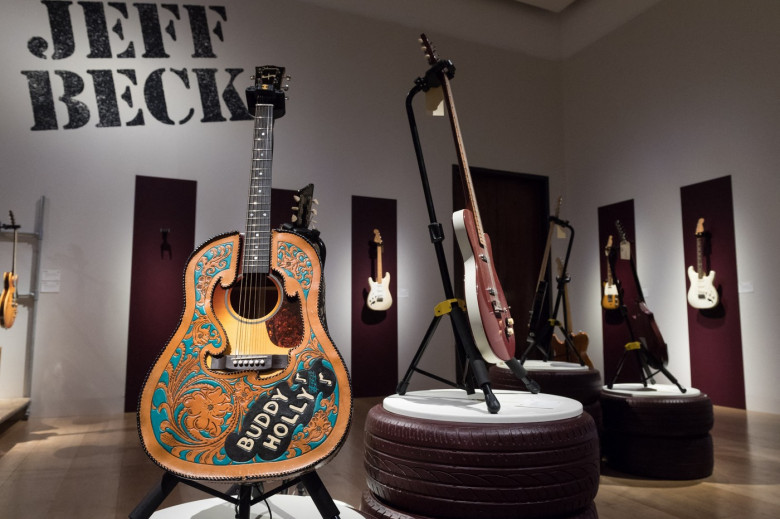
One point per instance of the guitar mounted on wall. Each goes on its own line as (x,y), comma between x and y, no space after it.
(702,293)
(379,297)
(250,386)
(8,300)
(491,323)
(611,298)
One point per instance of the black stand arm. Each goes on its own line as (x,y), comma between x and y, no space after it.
(477,375)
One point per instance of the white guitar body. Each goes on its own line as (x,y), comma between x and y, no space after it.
(472,286)
(379,297)
(702,293)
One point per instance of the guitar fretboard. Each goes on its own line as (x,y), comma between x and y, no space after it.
(257,244)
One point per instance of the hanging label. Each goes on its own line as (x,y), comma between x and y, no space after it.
(625,250)
(434,101)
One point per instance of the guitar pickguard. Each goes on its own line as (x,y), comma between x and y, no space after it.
(208,424)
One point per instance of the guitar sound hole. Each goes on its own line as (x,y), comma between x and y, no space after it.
(255,296)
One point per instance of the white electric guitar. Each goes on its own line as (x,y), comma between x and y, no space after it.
(702,294)
(379,297)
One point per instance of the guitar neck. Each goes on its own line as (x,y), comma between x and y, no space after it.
(257,246)
(379,262)
(699,263)
(468,185)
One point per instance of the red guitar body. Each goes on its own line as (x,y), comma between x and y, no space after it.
(492,323)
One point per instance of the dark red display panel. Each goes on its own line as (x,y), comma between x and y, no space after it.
(715,335)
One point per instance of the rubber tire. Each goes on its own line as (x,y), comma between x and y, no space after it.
(462,470)
(657,416)
(374,508)
(581,385)
(660,457)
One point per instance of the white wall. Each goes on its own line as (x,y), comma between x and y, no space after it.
(685,92)
(345,130)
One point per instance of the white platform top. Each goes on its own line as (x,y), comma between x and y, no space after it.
(652,390)
(547,365)
(282,506)
(454,405)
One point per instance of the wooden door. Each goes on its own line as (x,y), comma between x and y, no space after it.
(514,208)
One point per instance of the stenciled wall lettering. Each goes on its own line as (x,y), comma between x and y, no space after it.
(109,92)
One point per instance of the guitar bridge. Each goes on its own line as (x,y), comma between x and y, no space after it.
(249,362)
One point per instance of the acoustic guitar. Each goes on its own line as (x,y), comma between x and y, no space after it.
(580,339)
(8,300)
(379,296)
(488,313)
(611,298)
(702,293)
(250,386)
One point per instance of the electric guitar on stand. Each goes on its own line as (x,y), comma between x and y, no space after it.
(537,306)
(8,300)
(611,298)
(379,297)
(488,313)
(702,293)
(579,340)
(250,386)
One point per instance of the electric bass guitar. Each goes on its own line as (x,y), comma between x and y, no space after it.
(491,322)
(379,297)
(579,340)
(702,293)
(611,298)
(644,321)
(8,301)
(250,386)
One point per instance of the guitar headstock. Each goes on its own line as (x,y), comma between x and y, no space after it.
(558,206)
(620,230)
(303,210)
(269,88)
(377,238)
(700,227)
(608,247)
(427,47)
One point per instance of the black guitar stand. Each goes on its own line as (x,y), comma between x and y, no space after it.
(475,373)
(540,337)
(243,495)
(646,360)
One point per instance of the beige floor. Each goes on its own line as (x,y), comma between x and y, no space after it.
(67,468)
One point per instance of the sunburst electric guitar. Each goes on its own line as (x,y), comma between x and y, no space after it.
(250,386)
(702,293)
(8,301)
(611,298)
(379,296)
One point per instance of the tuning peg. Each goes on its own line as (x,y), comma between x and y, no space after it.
(294,218)
(296,198)
(510,332)
(315,201)
(294,208)
(313,211)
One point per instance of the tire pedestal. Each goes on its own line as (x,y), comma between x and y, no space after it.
(568,379)
(440,454)
(657,431)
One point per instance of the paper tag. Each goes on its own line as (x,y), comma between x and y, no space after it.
(434,101)
(625,250)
